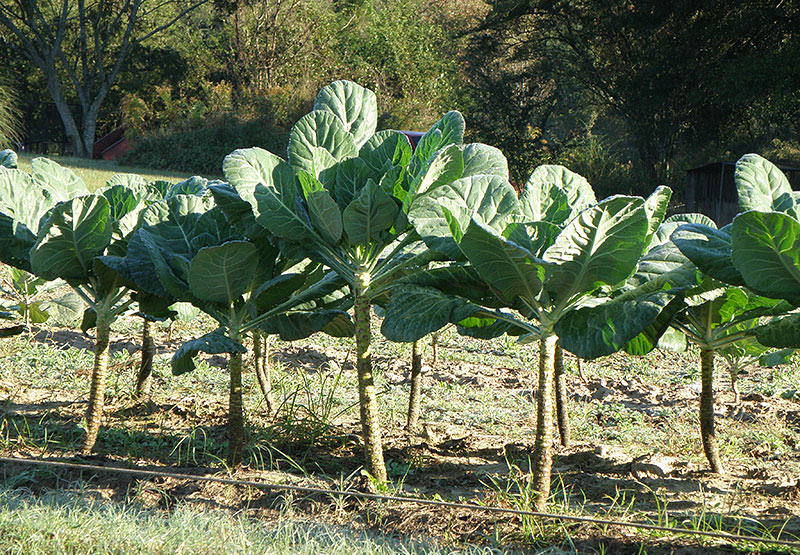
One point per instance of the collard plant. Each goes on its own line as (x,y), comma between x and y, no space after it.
(343,199)
(561,268)
(52,227)
(34,299)
(192,249)
(746,303)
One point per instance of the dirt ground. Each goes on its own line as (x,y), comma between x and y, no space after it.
(635,452)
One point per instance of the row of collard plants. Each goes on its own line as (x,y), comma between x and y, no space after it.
(358,219)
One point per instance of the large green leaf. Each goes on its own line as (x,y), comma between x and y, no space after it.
(325,216)
(448,130)
(535,237)
(385,150)
(488,199)
(213,343)
(371,213)
(413,312)
(277,290)
(355,106)
(766,251)
(759,183)
(268,184)
(221,274)
(194,185)
(601,246)
(461,280)
(656,208)
(508,268)
(579,193)
(299,325)
(318,141)
(710,250)
(8,158)
(543,200)
(22,206)
(350,177)
(606,328)
(59,183)
(481,159)
(75,233)
(780,332)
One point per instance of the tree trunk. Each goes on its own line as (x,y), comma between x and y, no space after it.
(543,445)
(370,419)
(562,398)
(145,378)
(707,431)
(97,392)
(416,388)
(261,356)
(235,412)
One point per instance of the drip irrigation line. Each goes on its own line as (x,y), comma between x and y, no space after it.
(400,499)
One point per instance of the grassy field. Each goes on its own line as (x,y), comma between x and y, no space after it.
(95,173)
(636,453)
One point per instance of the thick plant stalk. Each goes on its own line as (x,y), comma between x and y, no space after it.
(235,412)
(543,445)
(562,398)
(97,391)
(261,357)
(434,347)
(707,432)
(370,423)
(416,388)
(144,379)
(734,372)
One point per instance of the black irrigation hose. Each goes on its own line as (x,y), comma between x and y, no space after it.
(400,499)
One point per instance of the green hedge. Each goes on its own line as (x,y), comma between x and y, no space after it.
(200,151)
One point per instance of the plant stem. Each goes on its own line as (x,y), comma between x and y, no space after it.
(562,399)
(543,445)
(707,432)
(261,356)
(370,424)
(235,412)
(97,392)
(434,346)
(144,379)
(416,388)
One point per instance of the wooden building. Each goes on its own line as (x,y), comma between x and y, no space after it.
(711,190)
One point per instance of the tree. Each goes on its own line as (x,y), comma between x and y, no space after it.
(83,45)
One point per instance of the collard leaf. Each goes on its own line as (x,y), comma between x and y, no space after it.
(350,177)
(268,184)
(710,250)
(481,159)
(508,268)
(656,207)
(579,193)
(781,332)
(355,106)
(369,215)
(601,246)
(413,312)
(299,325)
(8,159)
(448,130)
(22,206)
(213,343)
(325,216)
(318,141)
(75,233)
(195,185)
(385,150)
(759,183)
(223,273)
(489,200)
(131,181)
(60,183)
(606,328)
(766,251)
(535,237)
(543,200)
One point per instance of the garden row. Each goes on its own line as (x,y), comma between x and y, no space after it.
(357,220)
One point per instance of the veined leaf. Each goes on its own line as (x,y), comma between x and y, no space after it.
(543,200)
(656,207)
(75,233)
(8,159)
(355,106)
(221,274)
(370,214)
(766,251)
(579,193)
(318,141)
(759,183)
(22,206)
(213,343)
(385,150)
(299,325)
(448,130)
(600,246)
(414,312)
(60,183)
(710,250)
(325,216)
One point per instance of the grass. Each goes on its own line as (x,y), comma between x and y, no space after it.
(74,522)
(95,173)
